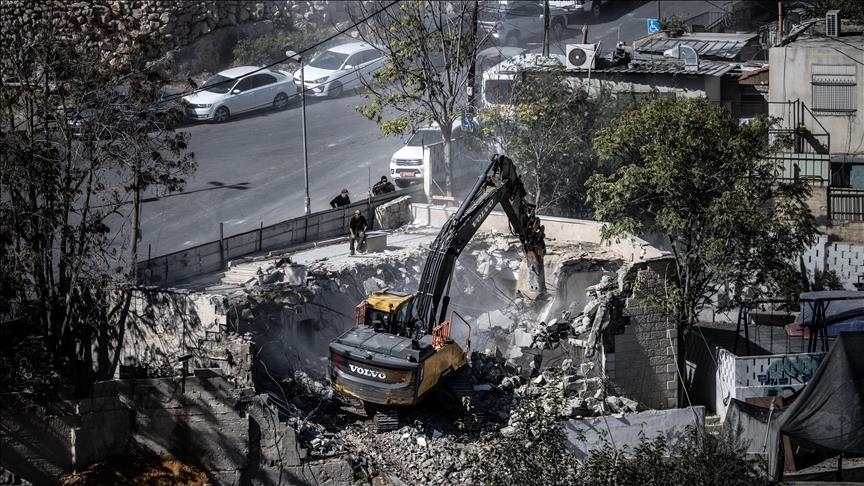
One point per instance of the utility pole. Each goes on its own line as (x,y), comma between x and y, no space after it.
(472,71)
(546,27)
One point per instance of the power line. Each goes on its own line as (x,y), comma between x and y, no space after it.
(299,54)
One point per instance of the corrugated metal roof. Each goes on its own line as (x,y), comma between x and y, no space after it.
(727,47)
(669,66)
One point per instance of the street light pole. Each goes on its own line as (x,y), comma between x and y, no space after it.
(306,202)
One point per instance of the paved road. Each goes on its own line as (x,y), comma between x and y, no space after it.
(250,170)
(626,21)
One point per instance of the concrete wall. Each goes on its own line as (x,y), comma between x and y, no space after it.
(202,422)
(212,257)
(42,442)
(790,69)
(162,325)
(642,363)
(682,84)
(743,377)
(845,258)
(565,229)
(625,430)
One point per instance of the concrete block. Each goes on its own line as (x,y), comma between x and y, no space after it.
(294,274)
(522,338)
(394,214)
(376,241)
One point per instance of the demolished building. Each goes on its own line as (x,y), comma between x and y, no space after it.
(254,338)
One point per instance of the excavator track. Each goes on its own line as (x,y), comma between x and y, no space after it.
(387,419)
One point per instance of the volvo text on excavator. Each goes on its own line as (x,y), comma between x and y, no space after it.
(402,345)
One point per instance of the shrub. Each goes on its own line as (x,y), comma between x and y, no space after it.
(271,47)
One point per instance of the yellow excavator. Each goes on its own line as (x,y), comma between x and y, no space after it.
(403,346)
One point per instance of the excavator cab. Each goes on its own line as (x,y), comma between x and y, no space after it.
(386,311)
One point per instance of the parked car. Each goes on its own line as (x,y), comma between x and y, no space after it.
(338,68)
(240,90)
(512,22)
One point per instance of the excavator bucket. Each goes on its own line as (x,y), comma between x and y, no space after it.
(532,283)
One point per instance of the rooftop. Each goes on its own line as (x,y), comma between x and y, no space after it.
(705,44)
(666,65)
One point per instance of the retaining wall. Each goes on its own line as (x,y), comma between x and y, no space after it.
(631,249)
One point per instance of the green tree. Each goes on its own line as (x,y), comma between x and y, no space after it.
(431,47)
(547,128)
(83,136)
(852,10)
(692,174)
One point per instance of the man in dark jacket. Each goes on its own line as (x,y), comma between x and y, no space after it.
(357,231)
(341,200)
(382,187)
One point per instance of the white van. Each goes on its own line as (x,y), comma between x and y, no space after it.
(497,88)
(406,165)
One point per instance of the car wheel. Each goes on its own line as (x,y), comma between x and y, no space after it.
(595,9)
(222,114)
(335,90)
(280,102)
(512,39)
(558,30)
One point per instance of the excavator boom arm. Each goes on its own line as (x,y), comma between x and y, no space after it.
(499,183)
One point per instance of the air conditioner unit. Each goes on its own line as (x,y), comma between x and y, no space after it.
(832,23)
(581,56)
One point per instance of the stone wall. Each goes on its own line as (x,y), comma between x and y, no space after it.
(171,24)
(642,362)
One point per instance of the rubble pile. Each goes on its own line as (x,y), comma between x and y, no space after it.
(293,312)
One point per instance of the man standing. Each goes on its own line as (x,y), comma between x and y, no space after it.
(382,187)
(357,231)
(341,200)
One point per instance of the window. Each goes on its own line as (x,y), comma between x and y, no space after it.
(368,55)
(245,84)
(833,88)
(260,80)
(525,10)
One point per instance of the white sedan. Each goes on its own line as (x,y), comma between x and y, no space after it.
(339,68)
(239,90)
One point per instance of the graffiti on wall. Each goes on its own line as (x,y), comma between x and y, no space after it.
(790,370)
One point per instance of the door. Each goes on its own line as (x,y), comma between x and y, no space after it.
(263,90)
(351,70)
(242,96)
(372,60)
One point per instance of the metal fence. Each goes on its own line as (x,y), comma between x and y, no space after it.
(213,256)
(799,123)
